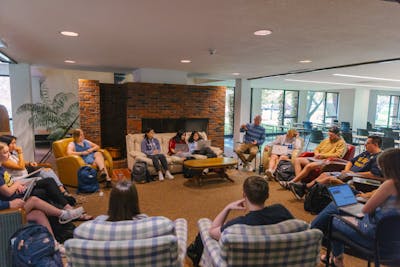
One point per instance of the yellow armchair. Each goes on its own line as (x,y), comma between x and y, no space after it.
(68,165)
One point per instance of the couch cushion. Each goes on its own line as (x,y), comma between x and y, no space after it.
(125,230)
(288,226)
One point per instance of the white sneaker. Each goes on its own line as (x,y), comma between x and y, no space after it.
(169,175)
(250,168)
(70,215)
(160,176)
(205,171)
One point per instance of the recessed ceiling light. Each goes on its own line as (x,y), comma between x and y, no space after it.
(305,61)
(349,84)
(262,32)
(70,61)
(70,34)
(366,77)
(186,61)
(236,73)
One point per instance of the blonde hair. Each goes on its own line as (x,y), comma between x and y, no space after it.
(76,133)
(291,132)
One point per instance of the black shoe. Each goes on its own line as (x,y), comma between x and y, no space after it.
(298,190)
(70,199)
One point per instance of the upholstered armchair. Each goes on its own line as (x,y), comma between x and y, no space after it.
(267,153)
(152,241)
(10,221)
(68,165)
(289,243)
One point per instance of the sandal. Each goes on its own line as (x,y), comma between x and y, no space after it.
(323,260)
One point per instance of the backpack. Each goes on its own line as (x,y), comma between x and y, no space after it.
(140,173)
(317,198)
(284,170)
(87,180)
(33,245)
(62,232)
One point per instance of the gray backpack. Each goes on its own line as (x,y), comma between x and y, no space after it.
(139,173)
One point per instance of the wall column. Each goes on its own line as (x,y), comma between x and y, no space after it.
(242,107)
(360,111)
(21,93)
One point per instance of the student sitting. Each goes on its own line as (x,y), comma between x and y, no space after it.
(289,139)
(255,193)
(178,139)
(194,146)
(364,164)
(332,147)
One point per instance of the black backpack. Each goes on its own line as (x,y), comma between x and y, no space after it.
(87,180)
(317,198)
(33,245)
(285,170)
(140,173)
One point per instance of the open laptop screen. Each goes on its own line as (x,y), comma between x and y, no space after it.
(342,195)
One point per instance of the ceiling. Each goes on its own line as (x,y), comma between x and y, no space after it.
(123,35)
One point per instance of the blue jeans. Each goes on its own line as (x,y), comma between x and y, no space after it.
(49,173)
(322,222)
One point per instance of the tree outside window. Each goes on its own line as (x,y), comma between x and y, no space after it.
(322,107)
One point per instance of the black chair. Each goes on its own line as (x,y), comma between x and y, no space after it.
(363,132)
(386,246)
(345,127)
(394,135)
(316,136)
(387,142)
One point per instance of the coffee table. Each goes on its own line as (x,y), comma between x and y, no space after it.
(220,164)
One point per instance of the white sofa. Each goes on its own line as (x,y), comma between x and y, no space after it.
(134,153)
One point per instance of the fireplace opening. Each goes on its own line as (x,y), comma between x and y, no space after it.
(174,125)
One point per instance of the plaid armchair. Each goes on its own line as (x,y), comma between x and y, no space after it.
(289,243)
(152,241)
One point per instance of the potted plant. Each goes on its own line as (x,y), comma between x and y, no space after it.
(52,114)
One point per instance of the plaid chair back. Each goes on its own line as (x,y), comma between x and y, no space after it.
(289,249)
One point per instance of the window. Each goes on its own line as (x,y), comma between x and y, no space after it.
(229,110)
(387,111)
(5,93)
(322,107)
(279,107)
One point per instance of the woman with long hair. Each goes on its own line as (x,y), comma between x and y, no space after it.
(151,147)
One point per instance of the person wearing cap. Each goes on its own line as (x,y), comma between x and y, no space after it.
(332,147)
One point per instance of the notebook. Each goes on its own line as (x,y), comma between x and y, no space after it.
(181,148)
(345,200)
(279,150)
(30,187)
(203,143)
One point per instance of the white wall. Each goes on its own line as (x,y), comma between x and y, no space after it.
(242,107)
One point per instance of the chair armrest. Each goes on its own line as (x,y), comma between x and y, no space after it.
(333,167)
(181,233)
(44,165)
(136,154)
(307,154)
(212,248)
(17,211)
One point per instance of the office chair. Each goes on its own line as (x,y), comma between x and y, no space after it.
(316,136)
(387,142)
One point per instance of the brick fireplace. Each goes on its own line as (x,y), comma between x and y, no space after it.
(108,112)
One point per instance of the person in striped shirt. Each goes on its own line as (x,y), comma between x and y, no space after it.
(254,137)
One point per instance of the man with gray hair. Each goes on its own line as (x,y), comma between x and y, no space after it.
(254,137)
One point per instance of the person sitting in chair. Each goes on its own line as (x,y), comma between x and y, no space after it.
(254,137)
(255,193)
(363,164)
(88,151)
(289,139)
(194,149)
(332,147)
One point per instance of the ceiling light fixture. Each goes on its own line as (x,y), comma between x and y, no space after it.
(69,33)
(305,61)
(366,77)
(186,61)
(70,61)
(262,32)
(349,84)
(236,73)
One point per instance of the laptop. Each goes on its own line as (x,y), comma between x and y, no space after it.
(181,148)
(203,143)
(345,200)
(27,176)
(279,150)
(30,187)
